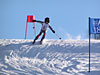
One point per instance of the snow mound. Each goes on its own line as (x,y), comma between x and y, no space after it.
(53,57)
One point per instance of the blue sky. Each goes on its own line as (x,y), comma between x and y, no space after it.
(69,18)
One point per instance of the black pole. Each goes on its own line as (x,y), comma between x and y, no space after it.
(58,36)
(89,44)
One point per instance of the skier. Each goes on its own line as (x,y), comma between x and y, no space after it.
(45,26)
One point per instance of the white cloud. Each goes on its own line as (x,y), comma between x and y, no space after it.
(78,37)
(69,37)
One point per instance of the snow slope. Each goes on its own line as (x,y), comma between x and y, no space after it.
(54,57)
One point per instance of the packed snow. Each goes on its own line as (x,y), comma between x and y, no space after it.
(53,57)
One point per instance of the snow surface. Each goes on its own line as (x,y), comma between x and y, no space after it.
(54,57)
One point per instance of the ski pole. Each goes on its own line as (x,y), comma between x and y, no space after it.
(57,36)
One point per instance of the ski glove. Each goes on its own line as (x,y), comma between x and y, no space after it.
(34,20)
(53,31)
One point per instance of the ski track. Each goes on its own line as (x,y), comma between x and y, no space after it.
(53,57)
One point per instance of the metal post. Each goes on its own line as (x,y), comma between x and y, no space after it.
(89,44)
(34,29)
(26,31)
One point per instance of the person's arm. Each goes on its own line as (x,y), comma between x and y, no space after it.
(38,21)
(51,29)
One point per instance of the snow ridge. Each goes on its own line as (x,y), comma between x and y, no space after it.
(54,57)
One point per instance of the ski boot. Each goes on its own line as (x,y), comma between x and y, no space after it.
(41,42)
(33,42)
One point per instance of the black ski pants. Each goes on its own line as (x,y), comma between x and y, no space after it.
(44,33)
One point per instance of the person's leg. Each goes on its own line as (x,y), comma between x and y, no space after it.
(37,37)
(44,33)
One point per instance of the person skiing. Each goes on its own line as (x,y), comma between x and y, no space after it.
(45,26)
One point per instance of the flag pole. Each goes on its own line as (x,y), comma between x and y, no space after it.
(26,31)
(34,29)
(34,26)
(89,44)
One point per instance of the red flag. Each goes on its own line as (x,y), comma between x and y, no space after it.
(30,18)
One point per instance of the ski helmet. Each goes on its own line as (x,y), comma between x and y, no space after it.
(47,20)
